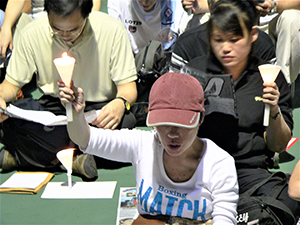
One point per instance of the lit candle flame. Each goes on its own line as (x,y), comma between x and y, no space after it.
(65,67)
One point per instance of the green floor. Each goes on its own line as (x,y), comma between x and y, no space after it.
(103,6)
(288,166)
(31,209)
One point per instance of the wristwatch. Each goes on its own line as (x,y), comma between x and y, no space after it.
(126,103)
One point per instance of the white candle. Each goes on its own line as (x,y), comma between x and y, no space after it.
(69,179)
(266,115)
(268,72)
(65,67)
(66,158)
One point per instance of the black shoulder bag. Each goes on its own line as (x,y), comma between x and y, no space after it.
(151,62)
(254,210)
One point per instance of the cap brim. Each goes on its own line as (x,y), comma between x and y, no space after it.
(173,117)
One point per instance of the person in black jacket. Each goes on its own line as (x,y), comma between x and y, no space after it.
(194,42)
(232,36)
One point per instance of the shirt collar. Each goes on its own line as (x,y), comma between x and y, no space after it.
(214,66)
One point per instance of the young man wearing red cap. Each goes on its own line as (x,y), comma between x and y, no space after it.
(178,175)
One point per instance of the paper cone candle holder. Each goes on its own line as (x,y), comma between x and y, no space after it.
(66,158)
(65,67)
(268,73)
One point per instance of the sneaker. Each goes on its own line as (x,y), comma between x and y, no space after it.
(8,162)
(85,166)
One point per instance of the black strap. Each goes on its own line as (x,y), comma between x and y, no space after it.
(271,198)
(274,192)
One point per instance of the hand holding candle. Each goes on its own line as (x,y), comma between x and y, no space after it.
(65,67)
(268,73)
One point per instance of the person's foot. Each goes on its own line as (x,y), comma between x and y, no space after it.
(7,161)
(85,166)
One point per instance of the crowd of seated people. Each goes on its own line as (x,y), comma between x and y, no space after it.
(71,27)
(216,37)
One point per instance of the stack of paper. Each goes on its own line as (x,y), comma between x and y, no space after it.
(26,182)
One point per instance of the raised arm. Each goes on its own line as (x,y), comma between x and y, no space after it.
(284,5)
(78,129)
(12,13)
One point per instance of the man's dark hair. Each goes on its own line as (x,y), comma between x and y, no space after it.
(67,7)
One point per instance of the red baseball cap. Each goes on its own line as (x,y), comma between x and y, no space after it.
(175,99)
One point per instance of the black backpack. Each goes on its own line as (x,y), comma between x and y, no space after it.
(151,62)
(254,210)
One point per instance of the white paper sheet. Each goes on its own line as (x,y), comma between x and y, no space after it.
(45,117)
(266,19)
(79,190)
(21,180)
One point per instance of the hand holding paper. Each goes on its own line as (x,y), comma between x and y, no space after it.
(65,67)
(268,73)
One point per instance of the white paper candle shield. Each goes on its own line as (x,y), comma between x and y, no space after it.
(268,73)
(66,158)
(65,67)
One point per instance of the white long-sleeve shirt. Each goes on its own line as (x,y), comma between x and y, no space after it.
(211,193)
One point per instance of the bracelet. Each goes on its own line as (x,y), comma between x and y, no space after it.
(277,115)
(274,10)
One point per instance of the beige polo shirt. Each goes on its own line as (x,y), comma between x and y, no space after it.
(103,56)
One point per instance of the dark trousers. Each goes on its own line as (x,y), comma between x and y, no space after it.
(34,145)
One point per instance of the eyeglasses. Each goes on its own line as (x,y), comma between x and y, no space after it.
(74,32)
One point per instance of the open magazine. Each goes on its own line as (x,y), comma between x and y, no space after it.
(127,208)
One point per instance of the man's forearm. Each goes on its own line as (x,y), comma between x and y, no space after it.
(287,4)
(13,11)
(8,91)
(128,91)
